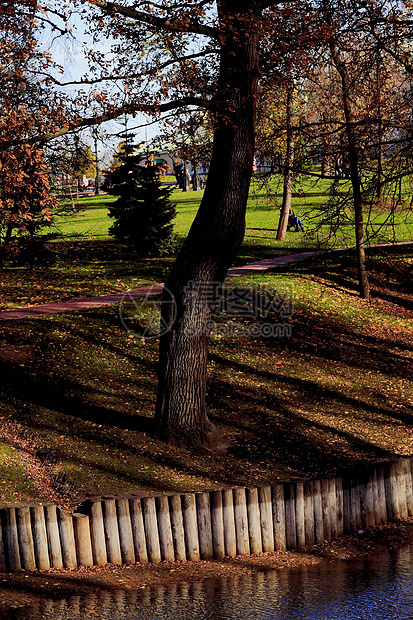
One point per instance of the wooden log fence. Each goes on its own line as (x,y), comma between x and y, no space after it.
(204,525)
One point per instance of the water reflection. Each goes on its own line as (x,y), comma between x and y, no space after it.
(373,588)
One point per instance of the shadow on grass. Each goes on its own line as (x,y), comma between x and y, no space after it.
(280,425)
(56,395)
(271,428)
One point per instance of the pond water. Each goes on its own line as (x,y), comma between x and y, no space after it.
(373,588)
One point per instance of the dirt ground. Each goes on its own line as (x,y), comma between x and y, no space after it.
(18,590)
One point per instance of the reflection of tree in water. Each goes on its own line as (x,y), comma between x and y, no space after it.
(380,587)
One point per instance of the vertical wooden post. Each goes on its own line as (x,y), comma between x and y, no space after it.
(190,527)
(41,549)
(318,512)
(254,521)
(110,521)
(392,498)
(371,521)
(299,514)
(2,549)
(278,517)
(138,530)
(203,505)
(177,524)
(408,486)
(376,501)
(366,500)
(53,537)
(401,483)
(165,529)
(355,513)
(125,531)
(230,537)
(82,539)
(382,494)
(67,538)
(267,528)
(12,540)
(339,504)
(325,500)
(346,505)
(24,530)
(151,530)
(241,521)
(309,513)
(332,501)
(290,525)
(97,533)
(217,517)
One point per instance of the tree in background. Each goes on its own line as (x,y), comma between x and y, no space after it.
(143,213)
(83,162)
(189,137)
(27,108)
(25,201)
(367,96)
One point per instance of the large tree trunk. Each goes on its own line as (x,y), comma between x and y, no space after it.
(288,170)
(354,173)
(213,240)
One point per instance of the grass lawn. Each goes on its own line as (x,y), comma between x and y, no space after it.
(86,262)
(78,392)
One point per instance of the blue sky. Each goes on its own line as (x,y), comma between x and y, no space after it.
(69,53)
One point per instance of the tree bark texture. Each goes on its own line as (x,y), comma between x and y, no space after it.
(214,238)
(354,173)
(288,170)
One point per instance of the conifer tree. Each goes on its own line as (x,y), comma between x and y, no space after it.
(143,213)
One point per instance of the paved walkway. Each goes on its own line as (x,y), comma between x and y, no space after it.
(86,303)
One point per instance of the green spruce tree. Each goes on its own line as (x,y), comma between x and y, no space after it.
(143,213)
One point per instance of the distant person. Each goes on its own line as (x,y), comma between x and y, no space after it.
(294,222)
(178,171)
(338,167)
(347,170)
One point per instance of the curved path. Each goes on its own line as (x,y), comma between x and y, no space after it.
(86,303)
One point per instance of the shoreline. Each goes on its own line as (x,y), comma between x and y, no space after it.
(20,589)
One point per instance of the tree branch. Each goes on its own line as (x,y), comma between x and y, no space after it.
(109,78)
(81,123)
(153,20)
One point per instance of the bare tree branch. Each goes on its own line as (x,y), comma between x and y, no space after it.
(114,78)
(156,22)
(81,123)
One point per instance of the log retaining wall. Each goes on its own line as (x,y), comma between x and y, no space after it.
(204,525)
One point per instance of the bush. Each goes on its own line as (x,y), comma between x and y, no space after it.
(143,213)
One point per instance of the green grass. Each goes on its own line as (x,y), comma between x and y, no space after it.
(90,221)
(15,483)
(309,199)
(89,263)
(336,394)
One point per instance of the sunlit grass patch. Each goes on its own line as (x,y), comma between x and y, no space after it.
(336,393)
(15,483)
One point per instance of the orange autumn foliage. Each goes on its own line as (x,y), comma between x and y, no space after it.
(25,200)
